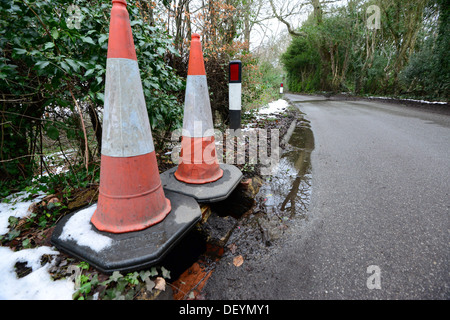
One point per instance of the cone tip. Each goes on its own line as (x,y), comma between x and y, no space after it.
(196,64)
(120,43)
(124,2)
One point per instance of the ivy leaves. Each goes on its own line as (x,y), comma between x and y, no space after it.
(77,56)
(49,61)
(117,286)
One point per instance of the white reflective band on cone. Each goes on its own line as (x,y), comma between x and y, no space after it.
(197,108)
(235,91)
(126,127)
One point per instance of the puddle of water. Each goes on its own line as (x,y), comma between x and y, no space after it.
(282,199)
(287,191)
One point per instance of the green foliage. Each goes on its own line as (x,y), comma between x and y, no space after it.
(117,286)
(261,84)
(48,63)
(428,72)
(302,62)
(159,80)
(408,56)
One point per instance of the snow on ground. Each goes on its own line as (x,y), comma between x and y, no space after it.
(38,284)
(275,107)
(414,100)
(57,162)
(425,101)
(17,206)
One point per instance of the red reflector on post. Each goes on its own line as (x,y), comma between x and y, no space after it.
(235,71)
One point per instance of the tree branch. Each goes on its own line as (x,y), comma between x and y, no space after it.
(288,25)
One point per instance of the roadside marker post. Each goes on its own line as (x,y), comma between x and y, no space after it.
(235,93)
(281,88)
(134,215)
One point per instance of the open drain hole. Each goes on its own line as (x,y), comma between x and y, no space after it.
(193,259)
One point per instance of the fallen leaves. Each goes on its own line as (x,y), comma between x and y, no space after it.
(232,247)
(160,284)
(238,261)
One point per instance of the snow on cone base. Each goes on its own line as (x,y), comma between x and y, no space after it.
(129,251)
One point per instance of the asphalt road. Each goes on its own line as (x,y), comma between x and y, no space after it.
(378,222)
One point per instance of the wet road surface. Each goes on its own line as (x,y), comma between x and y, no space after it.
(375,182)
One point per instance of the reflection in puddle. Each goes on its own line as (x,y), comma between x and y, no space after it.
(287,191)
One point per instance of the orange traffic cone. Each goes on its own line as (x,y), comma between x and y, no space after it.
(198,161)
(131,197)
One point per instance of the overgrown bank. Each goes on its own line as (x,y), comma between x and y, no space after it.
(342,50)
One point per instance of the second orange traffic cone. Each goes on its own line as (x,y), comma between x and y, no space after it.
(131,196)
(198,162)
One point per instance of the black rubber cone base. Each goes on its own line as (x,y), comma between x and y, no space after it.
(109,252)
(208,192)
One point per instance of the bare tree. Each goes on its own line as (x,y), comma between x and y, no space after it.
(286,10)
